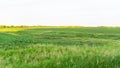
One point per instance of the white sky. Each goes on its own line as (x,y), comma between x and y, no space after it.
(60,12)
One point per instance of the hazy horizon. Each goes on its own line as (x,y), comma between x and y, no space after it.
(60,12)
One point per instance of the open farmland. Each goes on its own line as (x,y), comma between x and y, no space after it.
(60,47)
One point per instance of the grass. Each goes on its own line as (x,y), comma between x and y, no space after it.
(84,47)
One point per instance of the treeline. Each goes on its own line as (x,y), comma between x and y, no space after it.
(21,26)
(4,26)
(24,26)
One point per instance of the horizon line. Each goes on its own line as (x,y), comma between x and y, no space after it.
(67,25)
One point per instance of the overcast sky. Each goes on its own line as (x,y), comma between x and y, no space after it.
(60,12)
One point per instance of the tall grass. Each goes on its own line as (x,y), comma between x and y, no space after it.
(84,47)
(50,56)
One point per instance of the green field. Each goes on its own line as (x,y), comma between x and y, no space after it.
(60,47)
